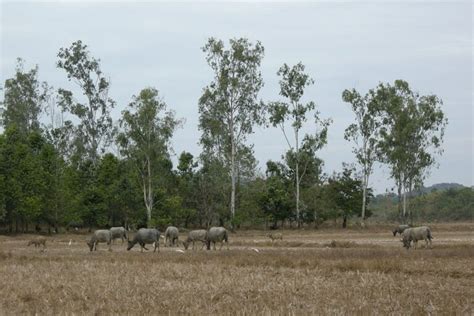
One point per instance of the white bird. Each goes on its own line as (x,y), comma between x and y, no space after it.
(70,242)
(256,250)
(179,250)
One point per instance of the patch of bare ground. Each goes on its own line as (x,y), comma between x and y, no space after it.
(308,272)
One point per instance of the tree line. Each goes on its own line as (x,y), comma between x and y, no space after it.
(65,161)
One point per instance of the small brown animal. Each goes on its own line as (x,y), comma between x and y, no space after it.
(274,236)
(38,241)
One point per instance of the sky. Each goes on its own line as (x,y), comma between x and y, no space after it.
(343,44)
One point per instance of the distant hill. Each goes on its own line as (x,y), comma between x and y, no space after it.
(441,201)
(425,190)
(442,187)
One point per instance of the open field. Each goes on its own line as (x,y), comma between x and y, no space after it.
(327,271)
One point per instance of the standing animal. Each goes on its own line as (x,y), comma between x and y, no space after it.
(414,234)
(38,241)
(196,235)
(145,236)
(101,235)
(399,229)
(118,232)
(171,236)
(215,235)
(274,236)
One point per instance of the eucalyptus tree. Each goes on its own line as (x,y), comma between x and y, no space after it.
(24,99)
(147,129)
(293,83)
(412,133)
(364,135)
(95,129)
(228,107)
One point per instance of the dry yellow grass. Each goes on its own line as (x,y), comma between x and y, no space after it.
(309,272)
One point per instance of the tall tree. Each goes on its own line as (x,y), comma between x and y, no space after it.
(95,128)
(412,132)
(363,133)
(145,140)
(345,191)
(228,107)
(187,187)
(292,86)
(24,98)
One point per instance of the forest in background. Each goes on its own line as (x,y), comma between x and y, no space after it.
(65,163)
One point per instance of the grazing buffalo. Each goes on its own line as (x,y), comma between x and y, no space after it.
(399,229)
(414,234)
(274,236)
(101,235)
(196,235)
(118,232)
(38,241)
(215,235)
(171,236)
(145,236)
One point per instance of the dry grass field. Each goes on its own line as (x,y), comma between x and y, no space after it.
(326,271)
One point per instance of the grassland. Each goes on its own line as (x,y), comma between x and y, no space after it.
(327,271)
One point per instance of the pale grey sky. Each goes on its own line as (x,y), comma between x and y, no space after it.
(343,44)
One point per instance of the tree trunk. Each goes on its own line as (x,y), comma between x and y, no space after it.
(344,221)
(232,166)
(148,194)
(404,203)
(364,198)
(400,215)
(297,180)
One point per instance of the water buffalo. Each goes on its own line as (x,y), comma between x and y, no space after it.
(274,236)
(196,235)
(118,232)
(215,235)
(399,229)
(145,236)
(414,234)
(38,241)
(101,235)
(171,236)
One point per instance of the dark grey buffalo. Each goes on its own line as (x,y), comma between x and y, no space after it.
(145,236)
(171,236)
(38,241)
(118,233)
(399,229)
(196,235)
(101,235)
(215,235)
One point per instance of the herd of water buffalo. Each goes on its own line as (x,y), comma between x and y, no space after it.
(144,236)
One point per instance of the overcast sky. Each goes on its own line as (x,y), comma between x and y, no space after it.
(344,44)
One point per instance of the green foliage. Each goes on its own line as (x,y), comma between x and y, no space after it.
(147,128)
(24,163)
(62,174)
(24,99)
(454,204)
(228,107)
(292,86)
(411,133)
(345,192)
(94,131)
(364,134)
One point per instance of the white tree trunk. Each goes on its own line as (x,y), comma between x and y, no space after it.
(297,180)
(148,192)
(404,202)
(232,194)
(364,197)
